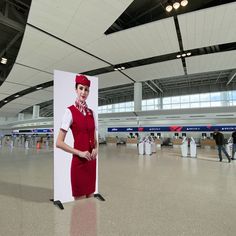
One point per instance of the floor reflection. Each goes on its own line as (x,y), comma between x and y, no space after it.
(84,218)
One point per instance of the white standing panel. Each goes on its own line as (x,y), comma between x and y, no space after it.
(207,27)
(64,96)
(156,70)
(211,62)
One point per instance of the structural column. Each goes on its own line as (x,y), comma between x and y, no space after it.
(225,99)
(20,116)
(35,111)
(137,96)
(161,103)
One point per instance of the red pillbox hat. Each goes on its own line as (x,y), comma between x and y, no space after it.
(82,79)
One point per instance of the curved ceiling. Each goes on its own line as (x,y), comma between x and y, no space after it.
(69,36)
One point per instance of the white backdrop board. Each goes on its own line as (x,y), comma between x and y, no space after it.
(64,96)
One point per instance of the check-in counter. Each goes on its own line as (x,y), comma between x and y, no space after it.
(208,143)
(177,142)
(132,141)
(111,140)
(158,142)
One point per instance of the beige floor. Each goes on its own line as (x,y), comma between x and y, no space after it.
(162,194)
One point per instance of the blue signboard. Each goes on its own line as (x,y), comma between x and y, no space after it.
(123,129)
(209,128)
(33,131)
(44,131)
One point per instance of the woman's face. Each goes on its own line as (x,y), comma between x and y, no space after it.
(82,92)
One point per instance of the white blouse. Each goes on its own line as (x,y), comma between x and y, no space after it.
(67,120)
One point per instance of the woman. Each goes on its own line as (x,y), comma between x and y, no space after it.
(80,119)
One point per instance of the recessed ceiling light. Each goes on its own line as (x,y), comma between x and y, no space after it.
(178,56)
(189,53)
(184,55)
(39,88)
(169,8)
(4,60)
(122,68)
(17,95)
(115,68)
(5,101)
(176,5)
(184,3)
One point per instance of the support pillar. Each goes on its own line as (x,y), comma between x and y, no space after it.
(35,111)
(20,116)
(137,96)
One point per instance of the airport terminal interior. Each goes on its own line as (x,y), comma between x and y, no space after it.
(166,73)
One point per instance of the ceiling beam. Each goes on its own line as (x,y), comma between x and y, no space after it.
(218,77)
(135,19)
(11,43)
(231,77)
(19,5)
(22,3)
(6,9)
(151,87)
(11,23)
(156,86)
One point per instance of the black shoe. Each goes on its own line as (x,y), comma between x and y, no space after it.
(229,160)
(220,160)
(232,158)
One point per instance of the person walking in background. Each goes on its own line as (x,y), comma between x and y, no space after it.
(219,139)
(234,145)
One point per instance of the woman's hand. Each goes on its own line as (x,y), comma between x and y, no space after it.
(85,155)
(94,153)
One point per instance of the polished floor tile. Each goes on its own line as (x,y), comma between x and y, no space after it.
(161,194)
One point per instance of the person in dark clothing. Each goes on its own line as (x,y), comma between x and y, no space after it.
(234,145)
(219,139)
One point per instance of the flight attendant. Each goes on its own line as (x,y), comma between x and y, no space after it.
(80,119)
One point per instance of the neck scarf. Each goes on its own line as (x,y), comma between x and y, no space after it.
(81,106)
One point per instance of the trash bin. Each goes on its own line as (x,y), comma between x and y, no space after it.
(193,148)
(148,148)
(26,144)
(184,147)
(229,147)
(154,147)
(141,149)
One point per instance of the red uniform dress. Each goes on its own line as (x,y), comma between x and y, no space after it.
(83,172)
